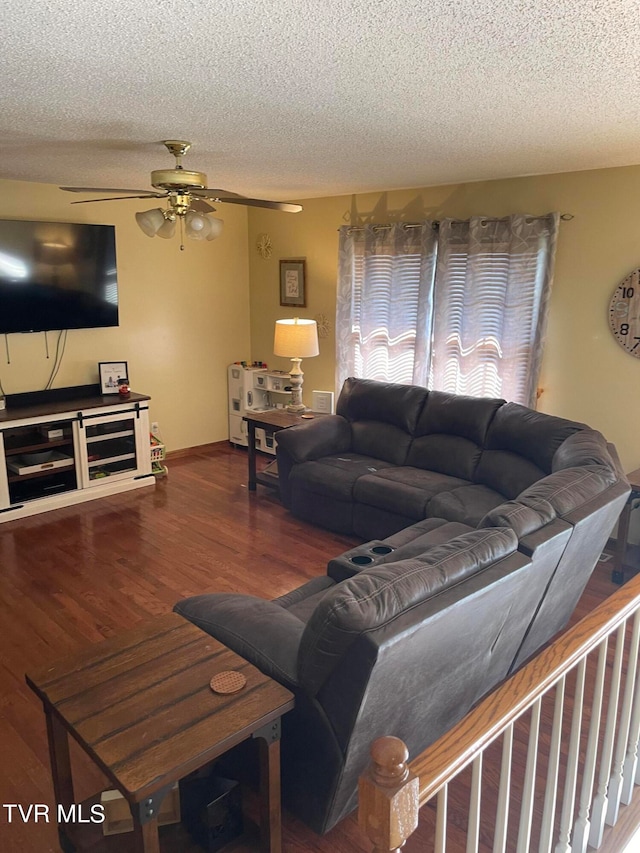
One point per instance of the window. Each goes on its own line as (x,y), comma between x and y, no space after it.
(384,302)
(461,309)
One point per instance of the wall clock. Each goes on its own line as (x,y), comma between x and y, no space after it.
(624,313)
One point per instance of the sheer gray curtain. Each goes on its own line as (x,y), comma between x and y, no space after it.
(491,298)
(384,302)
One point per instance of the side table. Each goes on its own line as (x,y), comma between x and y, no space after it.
(272,420)
(141,707)
(617,574)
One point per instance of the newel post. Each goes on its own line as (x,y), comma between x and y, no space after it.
(388,796)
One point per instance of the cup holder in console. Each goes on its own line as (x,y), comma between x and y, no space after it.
(364,556)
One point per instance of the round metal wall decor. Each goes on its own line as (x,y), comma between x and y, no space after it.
(624,313)
(264,246)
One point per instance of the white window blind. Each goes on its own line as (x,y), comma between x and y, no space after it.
(384,303)
(472,324)
(491,293)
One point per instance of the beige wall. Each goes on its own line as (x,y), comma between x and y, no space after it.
(184,316)
(586,375)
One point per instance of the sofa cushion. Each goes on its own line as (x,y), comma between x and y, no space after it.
(457,414)
(522,519)
(467,504)
(587,447)
(570,488)
(386,402)
(405,490)
(446,454)
(336,475)
(529,434)
(258,630)
(451,432)
(316,438)
(380,440)
(520,448)
(374,597)
(303,600)
(506,472)
(438,529)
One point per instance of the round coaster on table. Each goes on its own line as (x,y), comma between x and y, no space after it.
(229,681)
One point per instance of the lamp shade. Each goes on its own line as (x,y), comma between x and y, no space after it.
(296,338)
(167,229)
(150,221)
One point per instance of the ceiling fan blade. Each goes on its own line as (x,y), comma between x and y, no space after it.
(215,193)
(104,190)
(285,206)
(120,198)
(201,206)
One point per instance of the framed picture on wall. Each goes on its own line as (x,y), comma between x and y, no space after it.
(110,374)
(292,283)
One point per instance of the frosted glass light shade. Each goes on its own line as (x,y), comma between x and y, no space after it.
(150,221)
(296,338)
(167,229)
(198,226)
(195,225)
(215,227)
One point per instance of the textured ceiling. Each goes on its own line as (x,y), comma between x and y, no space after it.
(303,98)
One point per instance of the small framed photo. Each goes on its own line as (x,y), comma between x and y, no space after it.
(110,373)
(292,283)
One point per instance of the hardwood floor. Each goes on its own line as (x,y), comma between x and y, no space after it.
(74,576)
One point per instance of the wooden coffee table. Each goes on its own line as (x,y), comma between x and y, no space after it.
(141,707)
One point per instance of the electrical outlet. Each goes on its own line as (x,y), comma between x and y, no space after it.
(155,427)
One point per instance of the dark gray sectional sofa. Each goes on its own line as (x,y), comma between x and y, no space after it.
(396,454)
(485,521)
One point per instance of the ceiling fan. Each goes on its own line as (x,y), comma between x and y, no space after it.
(188,199)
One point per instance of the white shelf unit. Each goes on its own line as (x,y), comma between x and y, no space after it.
(107,445)
(254,389)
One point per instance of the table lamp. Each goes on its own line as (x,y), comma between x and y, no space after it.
(296,339)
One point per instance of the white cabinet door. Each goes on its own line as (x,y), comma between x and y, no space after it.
(113,446)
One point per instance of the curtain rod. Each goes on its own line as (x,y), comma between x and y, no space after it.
(566,217)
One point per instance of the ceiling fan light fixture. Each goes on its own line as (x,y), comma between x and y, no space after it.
(151,221)
(167,229)
(215,227)
(198,226)
(188,200)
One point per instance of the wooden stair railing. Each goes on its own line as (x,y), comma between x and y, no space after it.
(591,701)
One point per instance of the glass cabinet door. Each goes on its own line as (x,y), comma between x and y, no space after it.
(110,448)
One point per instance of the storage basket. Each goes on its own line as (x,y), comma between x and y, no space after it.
(158,453)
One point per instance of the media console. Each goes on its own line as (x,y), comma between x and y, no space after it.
(70,445)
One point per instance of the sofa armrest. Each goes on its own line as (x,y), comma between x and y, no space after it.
(264,633)
(322,436)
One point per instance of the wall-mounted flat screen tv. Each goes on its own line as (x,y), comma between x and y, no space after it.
(57,275)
